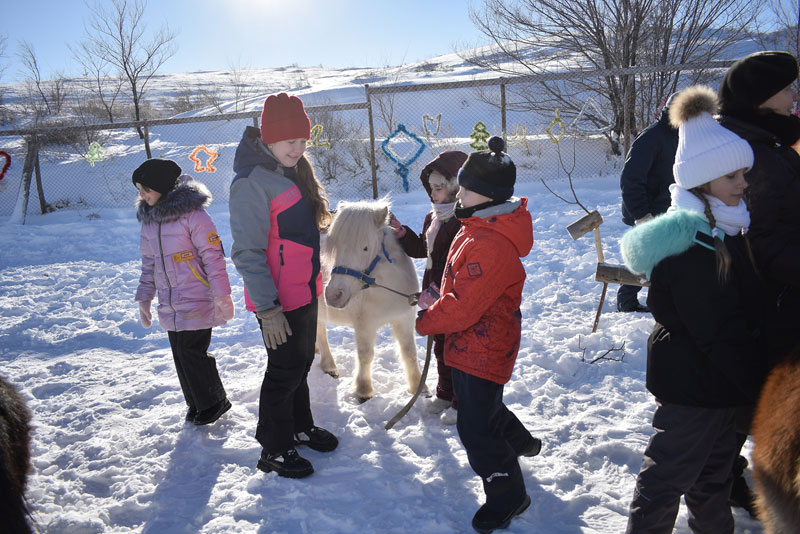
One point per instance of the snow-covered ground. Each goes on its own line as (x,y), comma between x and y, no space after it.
(112,452)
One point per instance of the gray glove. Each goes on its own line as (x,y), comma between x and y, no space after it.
(274,327)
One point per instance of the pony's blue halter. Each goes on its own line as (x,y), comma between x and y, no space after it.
(364,275)
(369,281)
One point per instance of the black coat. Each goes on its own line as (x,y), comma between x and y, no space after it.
(647,173)
(773,196)
(707,348)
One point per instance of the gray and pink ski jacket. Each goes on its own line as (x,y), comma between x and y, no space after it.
(275,234)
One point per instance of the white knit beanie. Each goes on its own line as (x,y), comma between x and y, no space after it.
(706,149)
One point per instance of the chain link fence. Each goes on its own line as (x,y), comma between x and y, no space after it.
(359,150)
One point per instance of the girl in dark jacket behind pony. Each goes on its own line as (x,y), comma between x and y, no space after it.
(182,261)
(704,355)
(440,227)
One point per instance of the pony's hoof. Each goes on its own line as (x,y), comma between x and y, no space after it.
(334,373)
(362,400)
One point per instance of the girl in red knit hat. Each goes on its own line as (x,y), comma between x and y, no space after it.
(277,207)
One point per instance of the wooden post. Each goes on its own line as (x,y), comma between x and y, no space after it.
(38,173)
(147,142)
(27,170)
(598,245)
(585,224)
(599,308)
(618,274)
(371,143)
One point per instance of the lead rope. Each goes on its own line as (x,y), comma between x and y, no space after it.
(404,409)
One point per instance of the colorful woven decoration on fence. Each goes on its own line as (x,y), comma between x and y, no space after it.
(316,131)
(519,136)
(555,139)
(6,163)
(597,116)
(198,164)
(427,119)
(480,135)
(403,163)
(95,153)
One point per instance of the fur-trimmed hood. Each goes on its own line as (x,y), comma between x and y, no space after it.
(646,245)
(188,196)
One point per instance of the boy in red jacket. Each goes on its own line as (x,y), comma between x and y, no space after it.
(478,312)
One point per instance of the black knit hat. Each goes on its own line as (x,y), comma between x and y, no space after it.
(754,79)
(160,175)
(490,173)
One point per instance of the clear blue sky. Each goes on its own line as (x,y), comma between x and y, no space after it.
(217,34)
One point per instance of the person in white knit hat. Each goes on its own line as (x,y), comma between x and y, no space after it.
(704,357)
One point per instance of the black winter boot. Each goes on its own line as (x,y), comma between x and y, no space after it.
(287,464)
(210,415)
(533,448)
(486,520)
(317,438)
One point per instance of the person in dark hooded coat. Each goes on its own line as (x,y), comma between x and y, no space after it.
(644,184)
(440,227)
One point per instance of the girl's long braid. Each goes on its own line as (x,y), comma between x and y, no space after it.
(723,254)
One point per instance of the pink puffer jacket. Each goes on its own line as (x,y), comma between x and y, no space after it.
(182,258)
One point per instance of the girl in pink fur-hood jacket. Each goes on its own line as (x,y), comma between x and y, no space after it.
(182,258)
(184,263)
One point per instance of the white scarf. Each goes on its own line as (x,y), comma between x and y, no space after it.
(732,220)
(441,214)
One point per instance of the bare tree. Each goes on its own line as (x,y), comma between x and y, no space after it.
(99,79)
(604,34)
(3,48)
(241,82)
(117,33)
(779,25)
(37,94)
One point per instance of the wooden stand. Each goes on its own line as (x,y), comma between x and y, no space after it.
(606,272)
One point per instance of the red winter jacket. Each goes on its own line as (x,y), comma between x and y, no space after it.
(481,292)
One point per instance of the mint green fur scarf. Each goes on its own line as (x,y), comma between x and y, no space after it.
(670,234)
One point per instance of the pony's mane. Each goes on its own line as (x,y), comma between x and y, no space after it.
(354,224)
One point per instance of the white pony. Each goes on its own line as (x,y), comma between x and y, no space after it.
(368,282)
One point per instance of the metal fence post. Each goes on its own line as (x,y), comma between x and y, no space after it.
(503,112)
(371,143)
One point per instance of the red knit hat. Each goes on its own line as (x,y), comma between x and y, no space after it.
(284,118)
